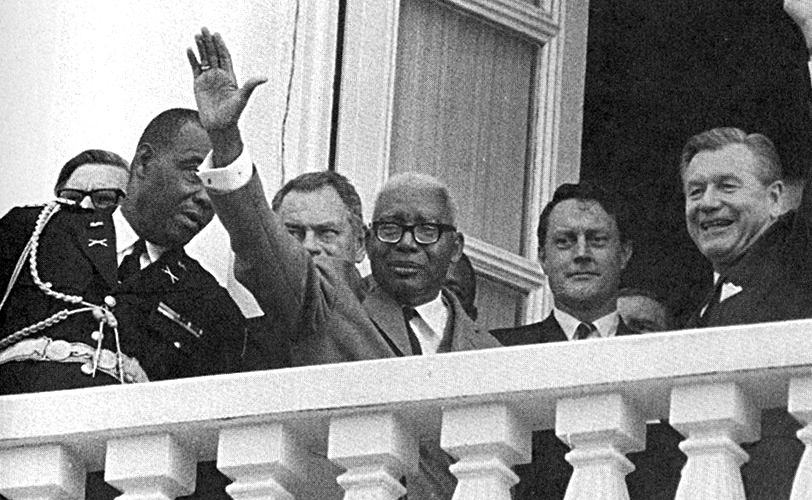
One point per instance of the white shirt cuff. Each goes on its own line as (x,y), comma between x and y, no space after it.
(229,178)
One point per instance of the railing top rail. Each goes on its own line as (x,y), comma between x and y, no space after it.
(644,368)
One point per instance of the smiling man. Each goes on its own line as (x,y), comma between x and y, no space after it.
(733,211)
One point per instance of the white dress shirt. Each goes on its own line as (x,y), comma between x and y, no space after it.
(430,323)
(606,326)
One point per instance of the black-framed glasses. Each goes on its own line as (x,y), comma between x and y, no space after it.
(101,198)
(425,233)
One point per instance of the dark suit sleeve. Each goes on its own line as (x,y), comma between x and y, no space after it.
(286,282)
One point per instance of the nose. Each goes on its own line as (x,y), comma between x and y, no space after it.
(87,202)
(311,243)
(709,200)
(407,242)
(582,248)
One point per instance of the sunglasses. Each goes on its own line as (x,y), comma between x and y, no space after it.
(101,198)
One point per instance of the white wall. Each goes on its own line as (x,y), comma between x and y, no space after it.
(92,73)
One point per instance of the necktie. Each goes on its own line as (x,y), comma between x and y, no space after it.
(704,314)
(584,331)
(131,264)
(408,314)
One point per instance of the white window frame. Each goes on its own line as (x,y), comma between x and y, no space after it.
(367,105)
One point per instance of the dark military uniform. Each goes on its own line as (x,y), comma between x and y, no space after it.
(76,255)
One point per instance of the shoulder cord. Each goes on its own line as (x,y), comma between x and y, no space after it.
(31,248)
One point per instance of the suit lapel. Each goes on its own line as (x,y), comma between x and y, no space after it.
(387,316)
(96,236)
(622,329)
(550,331)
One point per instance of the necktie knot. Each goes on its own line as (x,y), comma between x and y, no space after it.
(584,331)
(131,263)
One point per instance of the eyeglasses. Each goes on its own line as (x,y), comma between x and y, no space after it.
(425,233)
(101,198)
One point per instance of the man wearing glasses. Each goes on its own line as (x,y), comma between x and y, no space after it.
(329,313)
(93,179)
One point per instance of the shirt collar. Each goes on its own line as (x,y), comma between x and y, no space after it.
(126,238)
(434,313)
(606,325)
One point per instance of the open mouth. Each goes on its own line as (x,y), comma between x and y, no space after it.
(715,223)
(191,219)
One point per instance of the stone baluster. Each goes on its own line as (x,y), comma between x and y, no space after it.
(265,461)
(377,449)
(150,467)
(487,440)
(716,418)
(800,407)
(42,473)
(600,430)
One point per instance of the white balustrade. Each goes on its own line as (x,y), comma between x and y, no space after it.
(487,440)
(150,467)
(715,418)
(800,407)
(271,431)
(49,472)
(265,461)
(600,429)
(377,450)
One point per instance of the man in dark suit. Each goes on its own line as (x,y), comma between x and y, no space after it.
(584,245)
(326,306)
(762,267)
(734,213)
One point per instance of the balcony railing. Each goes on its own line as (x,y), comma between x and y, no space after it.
(264,428)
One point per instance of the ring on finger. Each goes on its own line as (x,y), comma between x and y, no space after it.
(205,67)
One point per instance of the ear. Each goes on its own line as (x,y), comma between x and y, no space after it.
(459,243)
(542,259)
(626,253)
(143,156)
(776,194)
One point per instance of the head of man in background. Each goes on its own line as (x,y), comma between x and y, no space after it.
(166,202)
(643,311)
(323,211)
(733,192)
(461,281)
(584,246)
(413,240)
(93,179)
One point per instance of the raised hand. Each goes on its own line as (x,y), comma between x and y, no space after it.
(801,12)
(220,100)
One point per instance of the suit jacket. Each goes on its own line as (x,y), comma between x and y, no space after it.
(775,276)
(541,332)
(77,255)
(329,313)
(657,469)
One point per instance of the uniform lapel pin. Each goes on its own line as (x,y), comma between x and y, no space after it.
(92,243)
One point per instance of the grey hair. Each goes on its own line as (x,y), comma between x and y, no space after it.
(715,139)
(416,180)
